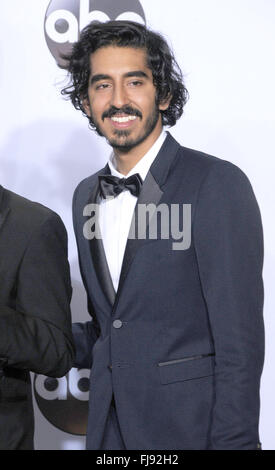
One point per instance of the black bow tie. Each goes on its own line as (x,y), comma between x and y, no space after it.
(112,185)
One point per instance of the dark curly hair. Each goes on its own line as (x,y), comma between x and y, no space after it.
(167,76)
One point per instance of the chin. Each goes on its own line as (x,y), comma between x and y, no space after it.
(122,146)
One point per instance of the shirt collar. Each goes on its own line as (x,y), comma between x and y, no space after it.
(143,166)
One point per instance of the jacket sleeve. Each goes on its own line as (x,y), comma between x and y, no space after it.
(229,247)
(85,335)
(36,333)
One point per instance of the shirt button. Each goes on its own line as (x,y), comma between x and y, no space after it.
(117,324)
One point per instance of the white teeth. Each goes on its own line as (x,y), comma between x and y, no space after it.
(123,119)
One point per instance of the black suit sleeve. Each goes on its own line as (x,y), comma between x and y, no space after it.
(36,334)
(229,247)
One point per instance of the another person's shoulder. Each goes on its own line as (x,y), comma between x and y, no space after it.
(28,213)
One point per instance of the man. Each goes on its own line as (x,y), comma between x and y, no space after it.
(175,343)
(35,321)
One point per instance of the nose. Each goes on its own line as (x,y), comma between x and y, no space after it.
(119,96)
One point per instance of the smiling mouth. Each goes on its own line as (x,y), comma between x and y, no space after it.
(122,116)
(122,119)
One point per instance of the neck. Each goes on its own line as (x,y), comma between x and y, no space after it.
(125,161)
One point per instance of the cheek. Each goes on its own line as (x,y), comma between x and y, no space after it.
(98,106)
(146,101)
(95,110)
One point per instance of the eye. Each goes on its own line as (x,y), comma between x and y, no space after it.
(102,86)
(135,83)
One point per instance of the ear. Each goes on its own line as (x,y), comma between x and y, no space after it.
(86,106)
(164,104)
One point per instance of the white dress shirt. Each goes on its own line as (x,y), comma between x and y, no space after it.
(115,214)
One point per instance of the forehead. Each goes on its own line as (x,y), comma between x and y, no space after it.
(118,60)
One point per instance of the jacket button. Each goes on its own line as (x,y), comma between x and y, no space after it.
(117,324)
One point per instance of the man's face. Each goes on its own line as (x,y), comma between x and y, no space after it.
(122,97)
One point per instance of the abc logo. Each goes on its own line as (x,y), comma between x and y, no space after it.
(65,19)
(64,401)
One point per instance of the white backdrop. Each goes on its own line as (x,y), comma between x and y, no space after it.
(226,51)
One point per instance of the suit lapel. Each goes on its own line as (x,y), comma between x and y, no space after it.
(4,210)
(151,193)
(98,253)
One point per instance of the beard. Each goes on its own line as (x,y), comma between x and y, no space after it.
(122,140)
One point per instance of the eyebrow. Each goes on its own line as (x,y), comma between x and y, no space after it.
(134,73)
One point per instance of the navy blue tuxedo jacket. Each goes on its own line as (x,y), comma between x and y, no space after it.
(181,343)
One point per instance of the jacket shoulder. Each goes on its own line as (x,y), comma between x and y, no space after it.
(201,165)
(28,213)
(201,159)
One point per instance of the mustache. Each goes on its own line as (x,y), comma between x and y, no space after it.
(112,111)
